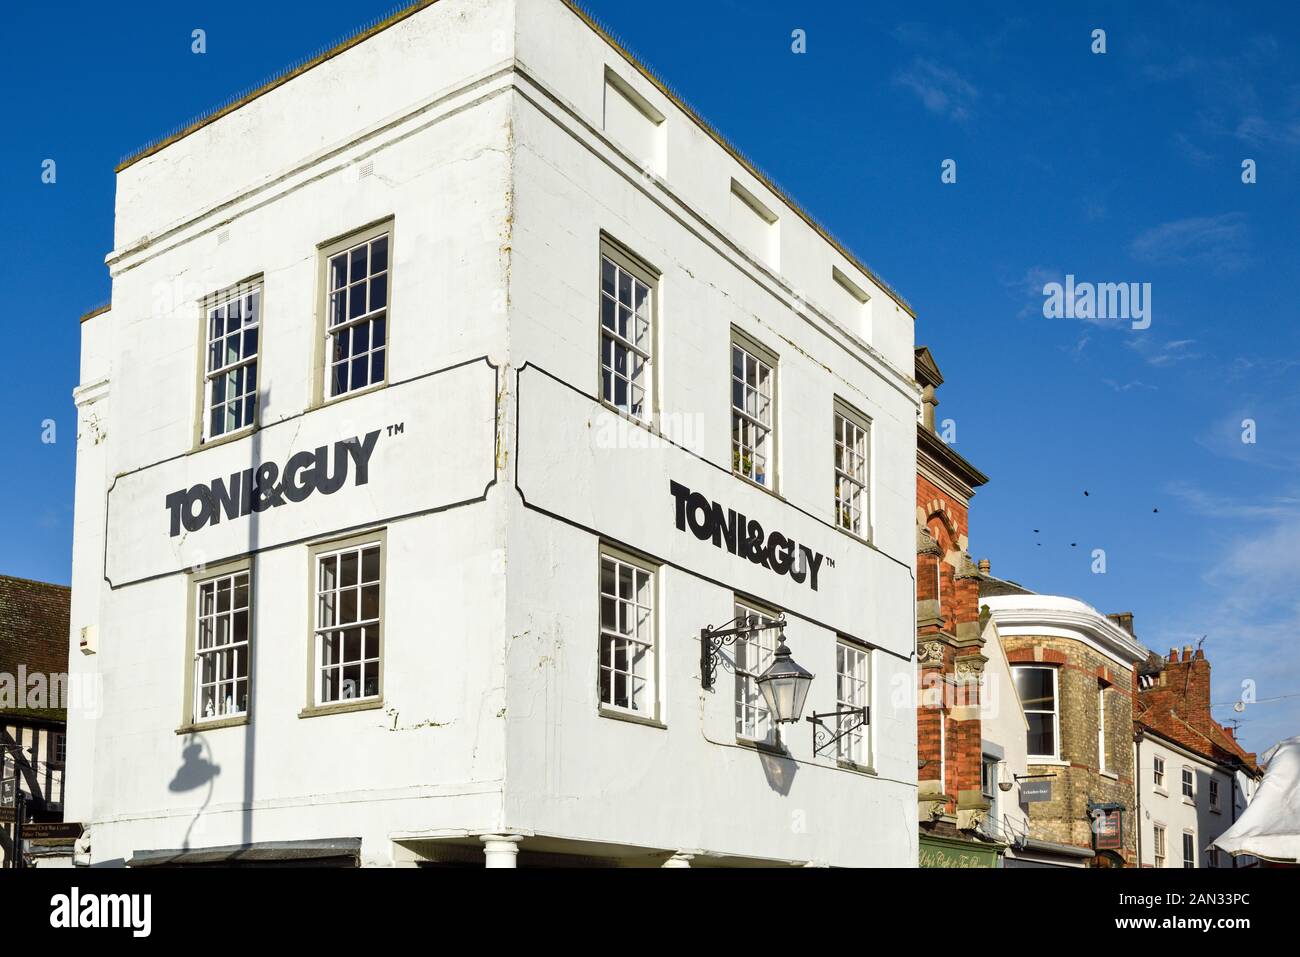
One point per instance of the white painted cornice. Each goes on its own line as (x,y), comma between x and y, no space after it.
(1055,616)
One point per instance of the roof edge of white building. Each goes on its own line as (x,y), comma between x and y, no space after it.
(1064,617)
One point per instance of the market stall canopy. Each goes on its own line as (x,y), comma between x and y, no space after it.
(1269,828)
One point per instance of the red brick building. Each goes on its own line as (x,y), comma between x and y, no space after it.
(950,648)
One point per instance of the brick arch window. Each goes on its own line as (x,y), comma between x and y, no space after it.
(943,531)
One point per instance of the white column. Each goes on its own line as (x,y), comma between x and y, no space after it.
(501,850)
(679,859)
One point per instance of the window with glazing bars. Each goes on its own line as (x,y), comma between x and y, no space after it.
(754,652)
(752,381)
(851,460)
(357,316)
(852,690)
(230,370)
(223,630)
(348,622)
(627,636)
(626,338)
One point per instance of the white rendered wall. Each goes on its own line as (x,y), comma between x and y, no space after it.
(1003,725)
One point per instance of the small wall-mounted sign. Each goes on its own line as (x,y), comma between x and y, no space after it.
(1033,792)
(52,831)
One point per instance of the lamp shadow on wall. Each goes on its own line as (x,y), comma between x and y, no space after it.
(779,768)
(194,772)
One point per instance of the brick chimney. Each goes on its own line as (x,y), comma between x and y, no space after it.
(1125,620)
(1186,687)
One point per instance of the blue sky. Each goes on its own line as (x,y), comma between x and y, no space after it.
(1121,167)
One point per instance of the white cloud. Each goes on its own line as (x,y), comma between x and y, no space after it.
(1221,242)
(943,91)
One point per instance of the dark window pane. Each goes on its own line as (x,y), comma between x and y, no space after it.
(339,272)
(379,255)
(1040,739)
(378,292)
(1034,685)
(370,565)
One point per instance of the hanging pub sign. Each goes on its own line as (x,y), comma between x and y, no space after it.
(1107,826)
(744,537)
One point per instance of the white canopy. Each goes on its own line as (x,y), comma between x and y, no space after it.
(1269,828)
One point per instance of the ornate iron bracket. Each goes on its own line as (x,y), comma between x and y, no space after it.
(712,639)
(823,736)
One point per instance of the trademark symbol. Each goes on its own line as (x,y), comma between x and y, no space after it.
(830,562)
(396,429)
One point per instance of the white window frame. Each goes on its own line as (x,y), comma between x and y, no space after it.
(632,335)
(372,317)
(369,625)
(1189,848)
(225,654)
(852,466)
(1160,843)
(640,632)
(753,653)
(59,749)
(1055,712)
(755,420)
(853,690)
(1187,784)
(1214,795)
(1101,728)
(250,298)
(1158,773)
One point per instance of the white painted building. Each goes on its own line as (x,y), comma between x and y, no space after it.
(1187,800)
(436,380)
